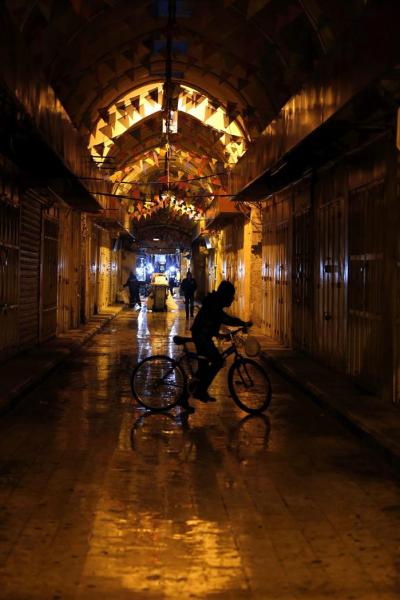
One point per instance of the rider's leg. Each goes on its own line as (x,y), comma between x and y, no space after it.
(208,368)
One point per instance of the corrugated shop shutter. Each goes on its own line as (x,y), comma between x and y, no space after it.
(397,331)
(277,269)
(9,259)
(49,279)
(104,268)
(30,245)
(365,304)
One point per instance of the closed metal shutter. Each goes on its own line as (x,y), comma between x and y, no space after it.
(104,279)
(397,331)
(302,281)
(365,303)
(330,292)
(48,326)
(277,269)
(30,243)
(94,271)
(9,259)
(69,250)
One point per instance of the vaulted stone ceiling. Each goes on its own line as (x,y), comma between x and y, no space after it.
(238,60)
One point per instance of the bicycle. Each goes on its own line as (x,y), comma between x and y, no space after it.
(160,382)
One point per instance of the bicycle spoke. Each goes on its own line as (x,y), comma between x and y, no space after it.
(158,382)
(249,385)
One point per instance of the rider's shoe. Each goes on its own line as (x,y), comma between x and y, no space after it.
(203,397)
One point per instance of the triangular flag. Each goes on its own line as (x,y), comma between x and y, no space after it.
(99,149)
(107,131)
(135,102)
(104,114)
(153,95)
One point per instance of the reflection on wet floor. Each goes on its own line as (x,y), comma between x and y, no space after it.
(100,499)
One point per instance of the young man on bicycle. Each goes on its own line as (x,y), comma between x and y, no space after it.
(206,326)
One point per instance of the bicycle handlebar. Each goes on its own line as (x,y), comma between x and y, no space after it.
(230,334)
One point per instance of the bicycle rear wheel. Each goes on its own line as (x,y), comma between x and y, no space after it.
(249,385)
(158,382)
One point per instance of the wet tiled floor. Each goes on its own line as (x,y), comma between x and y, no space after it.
(100,500)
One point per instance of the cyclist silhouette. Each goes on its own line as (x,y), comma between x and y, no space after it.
(206,325)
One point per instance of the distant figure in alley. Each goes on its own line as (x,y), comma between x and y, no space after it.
(188,288)
(133,285)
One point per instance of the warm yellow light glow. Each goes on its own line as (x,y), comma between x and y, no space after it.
(147,100)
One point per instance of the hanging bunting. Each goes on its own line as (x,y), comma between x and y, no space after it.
(135,102)
(104,114)
(112,119)
(120,107)
(106,131)
(124,121)
(153,95)
(99,148)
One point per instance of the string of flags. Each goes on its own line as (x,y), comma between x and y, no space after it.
(128,114)
(166,199)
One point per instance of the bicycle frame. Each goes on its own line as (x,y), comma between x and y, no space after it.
(189,355)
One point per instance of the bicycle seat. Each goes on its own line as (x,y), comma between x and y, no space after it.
(179,340)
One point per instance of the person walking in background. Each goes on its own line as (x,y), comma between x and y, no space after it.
(171,284)
(188,288)
(133,285)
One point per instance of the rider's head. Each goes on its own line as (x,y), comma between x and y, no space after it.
(226,291)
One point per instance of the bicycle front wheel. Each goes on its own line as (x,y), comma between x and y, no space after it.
(158,382)
(249,385)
